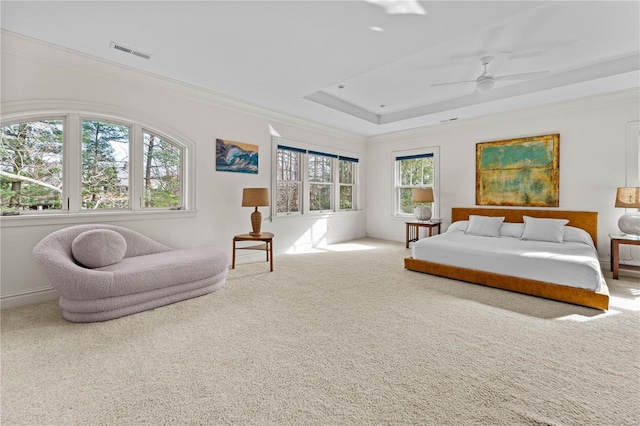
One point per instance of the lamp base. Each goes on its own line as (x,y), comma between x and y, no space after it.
(422,213)
(630,224)
(256,223)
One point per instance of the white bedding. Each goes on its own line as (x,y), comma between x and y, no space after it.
(574,262)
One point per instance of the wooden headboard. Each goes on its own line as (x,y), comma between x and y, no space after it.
(584,220)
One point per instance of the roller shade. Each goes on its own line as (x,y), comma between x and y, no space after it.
(413,157)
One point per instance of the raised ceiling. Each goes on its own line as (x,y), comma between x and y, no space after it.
(352,65)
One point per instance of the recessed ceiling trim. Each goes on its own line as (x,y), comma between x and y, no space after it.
(612,67)
(332,102)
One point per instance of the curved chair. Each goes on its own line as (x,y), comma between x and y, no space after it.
(104,272)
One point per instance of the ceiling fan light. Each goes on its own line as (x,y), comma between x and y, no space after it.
(485,85)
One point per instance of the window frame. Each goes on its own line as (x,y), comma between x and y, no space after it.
(434,153)
(353,184)
(301,173)
(305,150)
(331,183)
(71,210)
(183,155)
(86,117)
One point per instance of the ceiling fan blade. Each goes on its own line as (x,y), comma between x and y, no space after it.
(453,82)
(498,61)
(523,76)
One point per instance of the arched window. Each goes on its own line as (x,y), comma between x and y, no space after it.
(82,163)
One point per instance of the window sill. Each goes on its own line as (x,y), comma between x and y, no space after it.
(314,216)
(64,218)
(404,217)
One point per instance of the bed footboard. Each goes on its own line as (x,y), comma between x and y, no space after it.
(576,296)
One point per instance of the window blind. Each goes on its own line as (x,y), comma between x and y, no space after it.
(413,157)
(353,160)
(290,148)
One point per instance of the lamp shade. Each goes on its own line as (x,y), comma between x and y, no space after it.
(255,197)
(422,195)
(628,198)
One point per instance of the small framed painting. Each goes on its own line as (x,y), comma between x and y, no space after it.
(237,157)
(519,172)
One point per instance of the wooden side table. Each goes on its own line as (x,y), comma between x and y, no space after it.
(616,240)
(413,230)
(267,245)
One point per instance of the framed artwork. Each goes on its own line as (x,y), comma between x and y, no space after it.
(237,157)
(519,172)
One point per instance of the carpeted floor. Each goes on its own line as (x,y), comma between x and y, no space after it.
(342,335)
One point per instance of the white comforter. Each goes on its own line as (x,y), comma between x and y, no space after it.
(571,263)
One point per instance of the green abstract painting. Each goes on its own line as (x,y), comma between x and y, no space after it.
(519,172)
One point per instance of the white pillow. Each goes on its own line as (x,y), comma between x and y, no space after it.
(98,247)
(511,230)
(486,226)
(539,229)
(460,225)
(573,234)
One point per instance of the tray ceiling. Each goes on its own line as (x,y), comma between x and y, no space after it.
(353,65)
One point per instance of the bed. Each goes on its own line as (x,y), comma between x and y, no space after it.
(567,272)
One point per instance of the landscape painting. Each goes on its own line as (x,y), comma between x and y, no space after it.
(237,157)
(519,172)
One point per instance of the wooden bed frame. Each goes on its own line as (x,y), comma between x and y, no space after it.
(584,220)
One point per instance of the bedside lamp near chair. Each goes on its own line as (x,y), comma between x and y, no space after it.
(255,197)
(629,198)
(422,195)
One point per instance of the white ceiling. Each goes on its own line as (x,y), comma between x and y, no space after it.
(292,56)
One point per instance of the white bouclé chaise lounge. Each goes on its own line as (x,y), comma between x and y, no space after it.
(104,272)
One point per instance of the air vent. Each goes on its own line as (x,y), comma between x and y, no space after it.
(449,119)
(125,49)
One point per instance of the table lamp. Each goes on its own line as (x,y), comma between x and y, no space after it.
(255,197)
(422,195)
(629,198)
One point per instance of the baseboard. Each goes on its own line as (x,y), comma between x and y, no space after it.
(28,297)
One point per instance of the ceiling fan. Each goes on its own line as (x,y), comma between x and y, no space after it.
(485,81)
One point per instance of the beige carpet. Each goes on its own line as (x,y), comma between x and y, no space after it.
(343,335)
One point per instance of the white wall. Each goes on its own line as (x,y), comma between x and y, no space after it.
(593,146)
(37,75)
(593,151)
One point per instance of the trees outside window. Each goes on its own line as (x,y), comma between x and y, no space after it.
(320,182)
(105,159)
(162,172)
(31,166)
(44,166)
(347,182)
(288,180)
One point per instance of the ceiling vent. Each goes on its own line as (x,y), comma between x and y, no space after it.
(125,49)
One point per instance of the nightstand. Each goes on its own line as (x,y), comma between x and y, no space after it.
(413,230)
(266,240)
(616,240)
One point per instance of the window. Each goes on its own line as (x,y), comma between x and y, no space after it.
(105,159)
(311,181)
(320,181)
(77,164)
(288,180)
(162,172)
(413,170)
(347,182)
(31,170)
